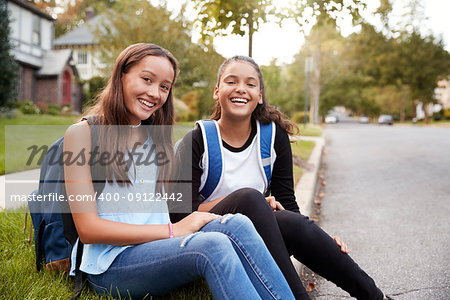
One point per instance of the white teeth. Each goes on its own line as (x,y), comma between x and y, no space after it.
(239,100)
(149,104)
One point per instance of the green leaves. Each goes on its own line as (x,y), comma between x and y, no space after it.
(235,16)
(9,67)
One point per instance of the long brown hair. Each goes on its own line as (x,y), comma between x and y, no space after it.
(264,113)
(110,109)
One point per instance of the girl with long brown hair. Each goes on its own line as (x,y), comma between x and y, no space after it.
(130,246)
(242,163)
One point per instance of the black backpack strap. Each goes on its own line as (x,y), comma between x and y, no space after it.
(79,275)
(40,255)
(70,231)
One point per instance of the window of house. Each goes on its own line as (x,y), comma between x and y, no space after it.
(82,58)
(36,34)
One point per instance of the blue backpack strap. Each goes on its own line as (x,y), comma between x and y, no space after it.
(212,145)
(265,148)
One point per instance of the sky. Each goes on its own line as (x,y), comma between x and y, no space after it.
(272,42)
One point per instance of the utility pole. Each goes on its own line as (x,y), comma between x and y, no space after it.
(308,68)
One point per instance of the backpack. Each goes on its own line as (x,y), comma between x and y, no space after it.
(213,150)
(54,229)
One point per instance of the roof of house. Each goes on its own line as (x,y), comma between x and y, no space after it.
(81,35)
(30,7)
(54,61)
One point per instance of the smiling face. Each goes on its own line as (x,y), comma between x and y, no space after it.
(238,90)
(146,87)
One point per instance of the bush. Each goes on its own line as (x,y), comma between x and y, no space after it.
(91,88)
(43,107)
(438,115)
(9,113)
(66,110)
(446,114)
(53,109)
(298,117)
(28,108)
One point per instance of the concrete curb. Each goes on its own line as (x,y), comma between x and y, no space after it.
(304,192)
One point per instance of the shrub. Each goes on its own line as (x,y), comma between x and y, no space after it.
(8,113)
(181,111)
(446,114)
(28,107)
(298,117)
(66,110)
(91,88)
(53,109)
(43,107)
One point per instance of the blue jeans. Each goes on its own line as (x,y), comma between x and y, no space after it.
(228,252)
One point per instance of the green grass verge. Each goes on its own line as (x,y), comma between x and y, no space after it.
(20,137)
(309,130)
(303,150)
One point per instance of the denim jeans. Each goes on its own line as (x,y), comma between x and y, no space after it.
(228,252)
(288,233)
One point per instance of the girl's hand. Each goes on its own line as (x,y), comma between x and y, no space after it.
(193,223)
(341,244)
(274,204)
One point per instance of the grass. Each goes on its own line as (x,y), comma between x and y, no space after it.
(310,130)
(303,150)
(18,138)
(19,279)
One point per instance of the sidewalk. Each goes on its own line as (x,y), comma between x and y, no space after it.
(18,183)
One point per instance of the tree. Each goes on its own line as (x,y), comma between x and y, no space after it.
(8,74)
(217,17)
(322,13)
(403,67)
(137,21)
(278,92)
(421,62)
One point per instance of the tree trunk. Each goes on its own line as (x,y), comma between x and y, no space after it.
(250,33)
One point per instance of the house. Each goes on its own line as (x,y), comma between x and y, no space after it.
(83,44)
(45,75)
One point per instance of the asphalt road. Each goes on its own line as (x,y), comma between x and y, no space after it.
(388,197)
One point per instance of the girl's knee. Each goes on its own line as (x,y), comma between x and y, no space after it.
(202,241)
(249,199)
(236,221)
(250,194)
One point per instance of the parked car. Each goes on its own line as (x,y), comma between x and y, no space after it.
(331,119)
(363,120)
(385,119)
